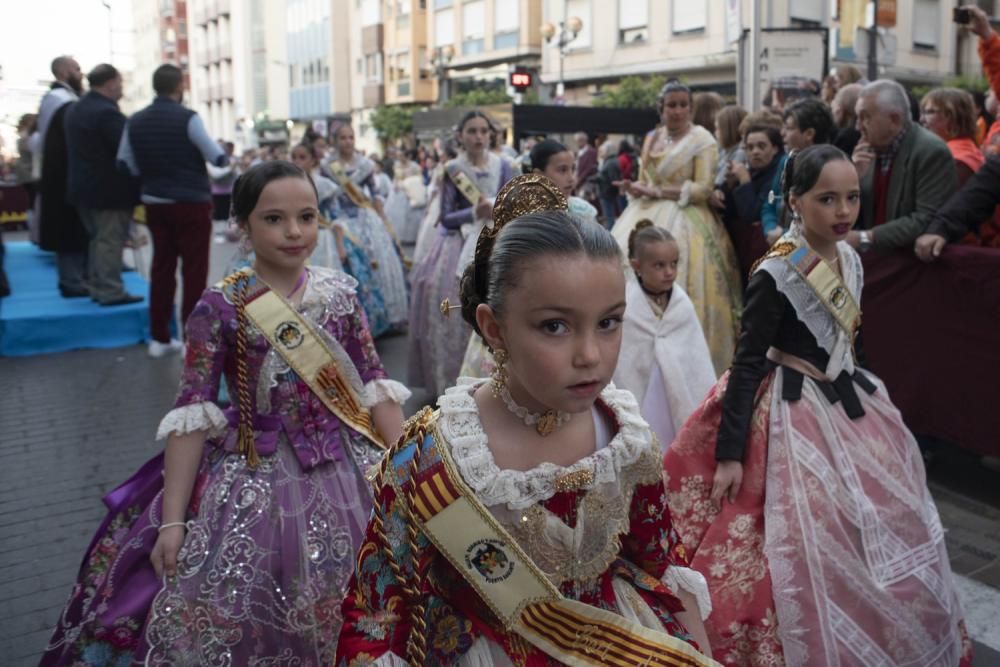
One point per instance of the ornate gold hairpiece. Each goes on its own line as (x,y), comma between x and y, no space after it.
(523,195)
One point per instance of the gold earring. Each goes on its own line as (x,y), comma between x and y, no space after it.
(498,378)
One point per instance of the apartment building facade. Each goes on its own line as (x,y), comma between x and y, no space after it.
(239,72)
(698,41)
(160,35)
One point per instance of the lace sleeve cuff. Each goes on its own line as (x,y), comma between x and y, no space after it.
(685,579)
(204,416)
(378,391)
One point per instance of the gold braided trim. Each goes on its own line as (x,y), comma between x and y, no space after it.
(779,249)
(240,284)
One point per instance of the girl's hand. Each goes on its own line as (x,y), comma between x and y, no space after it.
(168,545)
(624,185)
(727,482)
(774,235)
(484,209)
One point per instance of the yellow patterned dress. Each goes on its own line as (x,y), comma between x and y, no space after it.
(708,268)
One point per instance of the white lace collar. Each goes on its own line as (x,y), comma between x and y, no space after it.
(463,433)
(811,311)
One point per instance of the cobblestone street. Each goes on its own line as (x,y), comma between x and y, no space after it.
(75,425)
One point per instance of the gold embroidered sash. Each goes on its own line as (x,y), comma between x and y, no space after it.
(828,286)
(351,188)
(517,591)
(300,345)
(463,183)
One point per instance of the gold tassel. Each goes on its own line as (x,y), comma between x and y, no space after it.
(247,446)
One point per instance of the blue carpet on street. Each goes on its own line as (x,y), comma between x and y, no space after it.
(36,319)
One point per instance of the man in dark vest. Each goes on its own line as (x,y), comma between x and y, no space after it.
(104,196)
(166,146)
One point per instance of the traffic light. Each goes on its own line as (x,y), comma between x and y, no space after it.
(521,80)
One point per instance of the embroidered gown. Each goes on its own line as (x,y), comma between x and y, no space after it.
(437,342)
(708,270)
(833,553)
(477,362)
(608,543)
(370,238)
(268,553)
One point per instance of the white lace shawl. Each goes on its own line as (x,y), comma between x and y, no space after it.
(811,311)
(328,294)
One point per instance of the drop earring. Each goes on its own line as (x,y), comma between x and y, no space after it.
(498,378)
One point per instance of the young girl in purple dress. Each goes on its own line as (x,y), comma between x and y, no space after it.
(235,545)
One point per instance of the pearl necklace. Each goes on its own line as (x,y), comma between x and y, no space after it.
(545,424)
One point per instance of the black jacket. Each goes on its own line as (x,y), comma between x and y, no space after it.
(93,128)
(971,206)
(769,319)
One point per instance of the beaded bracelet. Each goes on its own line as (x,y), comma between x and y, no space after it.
(171,525)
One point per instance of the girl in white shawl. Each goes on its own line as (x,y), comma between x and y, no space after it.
(664,360)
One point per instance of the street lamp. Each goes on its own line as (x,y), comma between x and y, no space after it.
(439,59)
(567,31)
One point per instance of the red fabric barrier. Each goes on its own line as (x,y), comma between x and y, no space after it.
(13,204)
(932,333)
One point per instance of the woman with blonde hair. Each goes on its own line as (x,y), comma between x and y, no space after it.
(706,107)
(951,114)
(727,133)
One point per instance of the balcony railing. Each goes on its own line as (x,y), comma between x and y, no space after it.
(222,7)
(226,51)
(226,90)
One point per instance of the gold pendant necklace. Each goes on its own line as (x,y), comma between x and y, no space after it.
(545,423)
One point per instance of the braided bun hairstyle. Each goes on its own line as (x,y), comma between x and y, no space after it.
(250,184)
(803,169)
(532,236)
(645,232)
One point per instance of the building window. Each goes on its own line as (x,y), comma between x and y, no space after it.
(633,21)
(444,28)
(442,4)
(506,24)
(689,16)
(582,10)
(371,12)
(473,27)
(926,24)
(810,11)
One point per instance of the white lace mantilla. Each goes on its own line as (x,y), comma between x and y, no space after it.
(204,416)
(811,311)
(460,427)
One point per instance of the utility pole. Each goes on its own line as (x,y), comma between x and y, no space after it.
(873,44)
(753,75)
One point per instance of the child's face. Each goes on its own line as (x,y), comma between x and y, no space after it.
(561,170)
(284,225)
(830,209)
(303,159)
(561,329)
(657,265)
